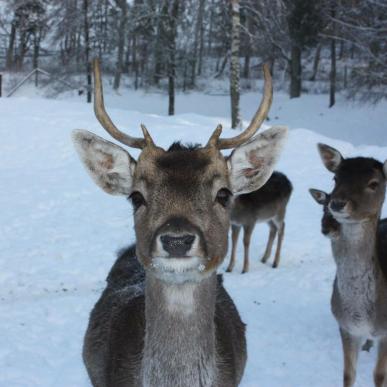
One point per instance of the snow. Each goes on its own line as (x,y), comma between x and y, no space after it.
(59,234)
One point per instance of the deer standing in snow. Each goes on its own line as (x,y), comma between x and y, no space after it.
(164,318)
(359,299)
(267,204)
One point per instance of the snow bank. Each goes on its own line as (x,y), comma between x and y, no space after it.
(59,234)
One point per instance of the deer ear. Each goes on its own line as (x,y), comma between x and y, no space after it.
(110,166)
(251,164)
(319,196)
(331,157)
(385,169)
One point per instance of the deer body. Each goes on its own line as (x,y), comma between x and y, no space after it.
(268,204)
(359,298)
(164,318)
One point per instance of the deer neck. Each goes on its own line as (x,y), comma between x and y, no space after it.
(179,348)
(356,259)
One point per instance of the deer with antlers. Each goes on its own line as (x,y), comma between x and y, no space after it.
(164,318)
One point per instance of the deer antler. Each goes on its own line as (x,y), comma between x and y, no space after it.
(107,123)
(259,117)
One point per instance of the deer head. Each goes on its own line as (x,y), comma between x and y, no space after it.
(360,185)
(180,196)
(329,225)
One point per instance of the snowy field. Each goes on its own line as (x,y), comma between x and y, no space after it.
(59,234)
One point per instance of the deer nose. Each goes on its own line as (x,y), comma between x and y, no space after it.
(337,205)
(177,246)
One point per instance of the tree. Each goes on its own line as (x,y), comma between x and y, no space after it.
(122,32)
(87,47)
(304,23)
(234,66)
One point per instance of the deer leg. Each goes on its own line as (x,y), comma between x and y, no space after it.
(380,376)
(351,348)
(247,231)
(281,233)
(234,237)
(269,246)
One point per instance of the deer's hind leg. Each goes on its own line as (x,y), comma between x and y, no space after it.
(380,373)
(270,241)
(351,348)
(281,233)
(234,237)
(247,231)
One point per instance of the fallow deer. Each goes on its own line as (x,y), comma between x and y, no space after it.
(267,204)
(330,227)
(166,320)
(359,299)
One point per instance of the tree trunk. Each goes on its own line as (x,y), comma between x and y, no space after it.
(316,62)
(198,28)
(295,72)
(201,36)
(160,37)
(210,31)
(35,58)
(22,50)
(332,77)
(123,5)
(234,66)
(246,67)
(172,56)
(87,48)
(135,62)
(247,49)
(11,47)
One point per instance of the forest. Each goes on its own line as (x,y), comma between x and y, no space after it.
(180,45)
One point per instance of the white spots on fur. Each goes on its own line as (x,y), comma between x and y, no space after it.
(251,164)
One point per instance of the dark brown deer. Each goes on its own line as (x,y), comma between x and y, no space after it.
(164,318)
(267,204)
(330,227)
(359,299)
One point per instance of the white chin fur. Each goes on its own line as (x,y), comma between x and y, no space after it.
(178,269)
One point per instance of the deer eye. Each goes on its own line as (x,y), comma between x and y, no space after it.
(373,185)
(223,197)
(137,200)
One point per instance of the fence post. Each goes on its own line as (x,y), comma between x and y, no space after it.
(1,84)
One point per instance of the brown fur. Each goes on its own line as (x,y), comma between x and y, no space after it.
(359,299)
(175,325)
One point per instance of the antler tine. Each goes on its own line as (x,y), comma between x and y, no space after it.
(103,117)
(259,116)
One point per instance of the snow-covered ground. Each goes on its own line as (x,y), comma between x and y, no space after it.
(59,234)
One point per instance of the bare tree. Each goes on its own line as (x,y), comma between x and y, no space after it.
(235,66)
(122,32)
(87,47)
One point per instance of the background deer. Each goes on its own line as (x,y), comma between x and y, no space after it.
(359,299)
(267,204)
(166,320)
(330,227)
